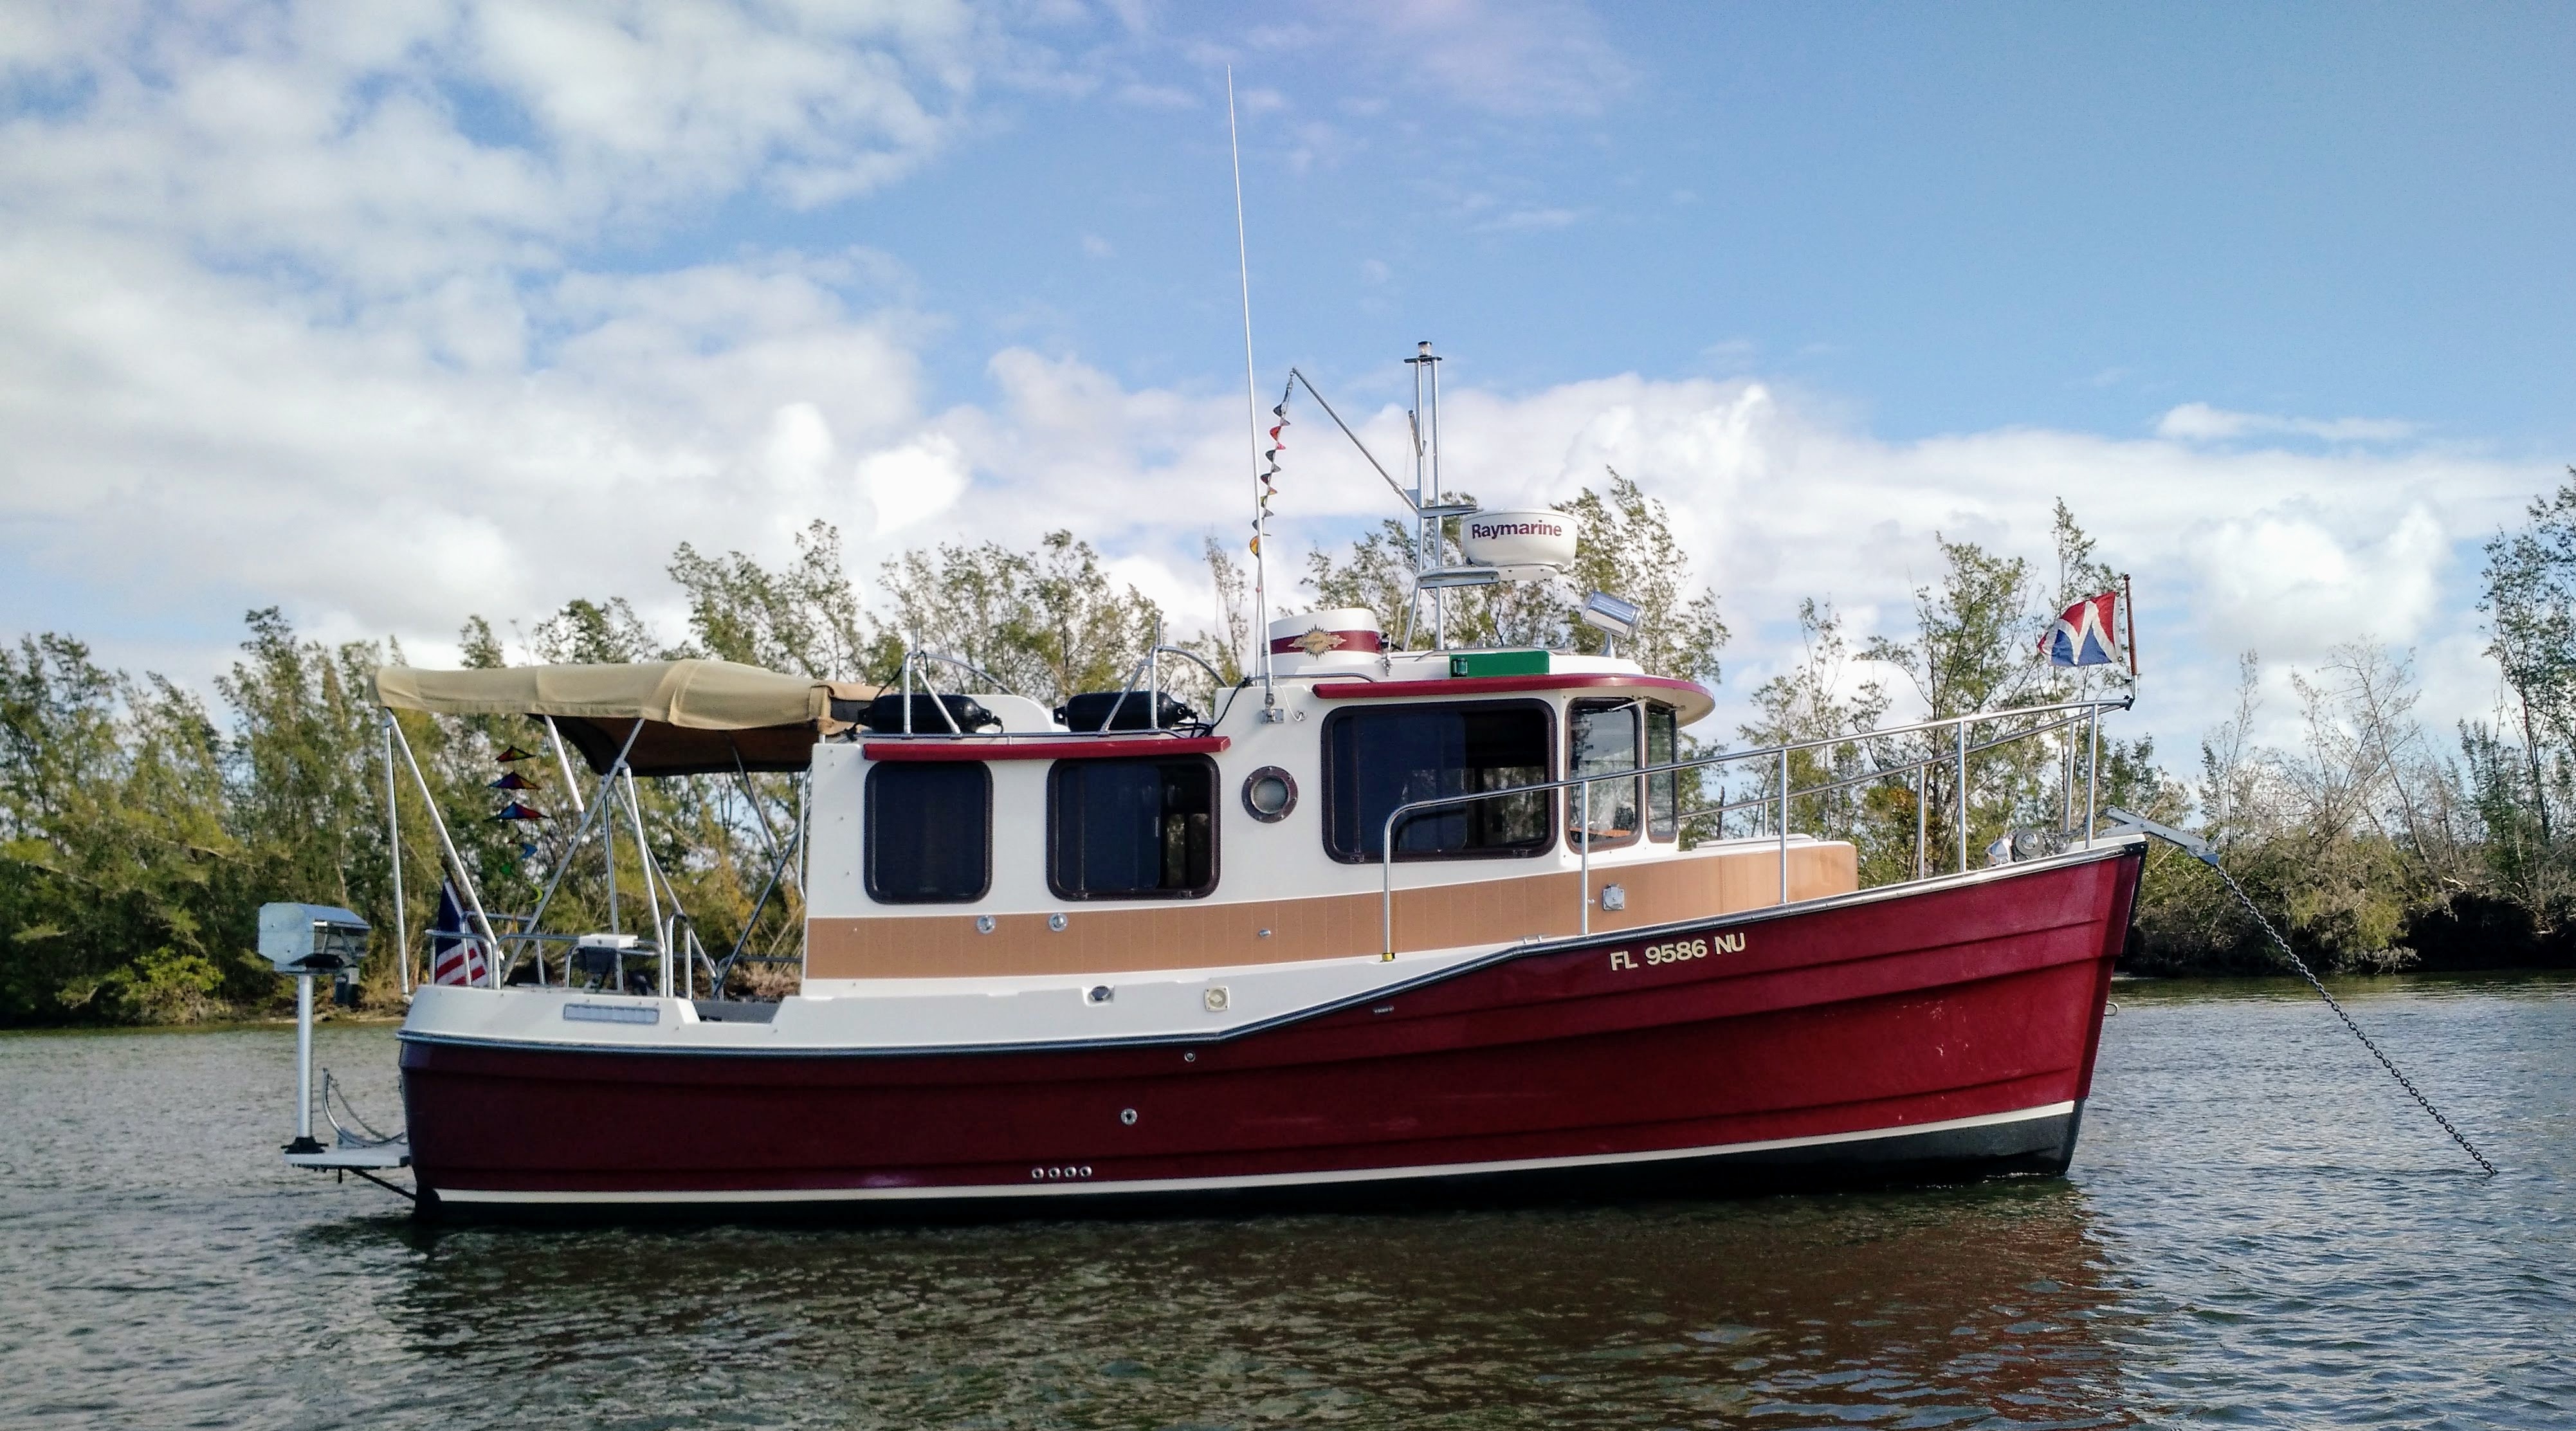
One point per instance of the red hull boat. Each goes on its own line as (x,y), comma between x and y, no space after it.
(1938,1029)
(1385,920)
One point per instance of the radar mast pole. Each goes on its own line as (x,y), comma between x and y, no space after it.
(1426,467)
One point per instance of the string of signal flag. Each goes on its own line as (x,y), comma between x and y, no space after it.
(1270,471)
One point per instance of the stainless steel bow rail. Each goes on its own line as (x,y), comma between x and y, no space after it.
(1954,753)
(2200,850)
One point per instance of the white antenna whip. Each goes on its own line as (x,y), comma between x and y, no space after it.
(1252,420)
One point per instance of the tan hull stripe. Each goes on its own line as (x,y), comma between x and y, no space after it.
(1201,933)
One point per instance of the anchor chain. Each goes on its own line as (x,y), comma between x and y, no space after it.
(2199,849)
(2302,966)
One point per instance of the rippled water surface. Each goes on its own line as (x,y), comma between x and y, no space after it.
(2259,1230)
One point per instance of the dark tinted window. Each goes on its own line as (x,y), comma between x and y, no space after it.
(1661,790)
(1377,759)
(929,835)
(1131,829)
(1603,741)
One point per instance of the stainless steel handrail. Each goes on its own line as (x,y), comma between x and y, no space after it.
(1876,772)
(2091,713)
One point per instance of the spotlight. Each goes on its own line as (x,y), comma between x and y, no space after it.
(1612,614)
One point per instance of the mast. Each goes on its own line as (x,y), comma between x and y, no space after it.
(1426,467)
(1439,531)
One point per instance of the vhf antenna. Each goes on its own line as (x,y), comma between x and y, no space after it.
(1252,420)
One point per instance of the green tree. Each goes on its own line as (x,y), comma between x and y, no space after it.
(2529,601)
(1047,624)
(1822,698)
(803,617)
(111,835)
(605,633)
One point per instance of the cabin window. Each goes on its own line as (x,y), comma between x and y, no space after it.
(1377,758)
(1132,829)
(1663,792)
(1603,740)
(929,832)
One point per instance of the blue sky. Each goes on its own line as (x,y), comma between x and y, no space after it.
(456,307)
(1954,217)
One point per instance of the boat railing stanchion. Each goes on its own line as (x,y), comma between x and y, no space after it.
(1961,726)
(1583,916)
(1783,831)
(1922,814)
(652,897)
(464,877)
(1386,884)
(2066,778)
(393,858)
(2092,767)
(608,847)
(598,805)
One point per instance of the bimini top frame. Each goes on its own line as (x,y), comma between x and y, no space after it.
(699,717)
(693,717)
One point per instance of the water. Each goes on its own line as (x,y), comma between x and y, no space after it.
(2259,1230)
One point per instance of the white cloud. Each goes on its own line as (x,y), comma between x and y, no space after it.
(1541,58)
(1509,57)
(2286,582)
(291,305)
(2199,422)
(1156,96)
(294,307)
(2285,552)
(911,484)
(386,145)
(1526,219)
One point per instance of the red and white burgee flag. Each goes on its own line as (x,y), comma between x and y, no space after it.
(2082,636)
(455,957)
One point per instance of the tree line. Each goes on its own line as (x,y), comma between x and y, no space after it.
(141,825)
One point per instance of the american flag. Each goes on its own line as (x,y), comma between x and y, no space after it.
(455,957)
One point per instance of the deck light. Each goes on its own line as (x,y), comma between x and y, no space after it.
(1615,615)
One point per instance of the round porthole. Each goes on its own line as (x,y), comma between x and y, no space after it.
(1269,794)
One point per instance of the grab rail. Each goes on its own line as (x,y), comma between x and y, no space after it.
(2087,712)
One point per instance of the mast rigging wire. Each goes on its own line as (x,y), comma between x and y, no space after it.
(1392,485)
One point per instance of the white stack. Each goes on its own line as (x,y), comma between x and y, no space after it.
(1342,639)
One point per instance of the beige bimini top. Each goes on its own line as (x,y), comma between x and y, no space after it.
(700,717)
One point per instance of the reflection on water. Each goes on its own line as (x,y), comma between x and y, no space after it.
(1949,1306)
(2253,1233)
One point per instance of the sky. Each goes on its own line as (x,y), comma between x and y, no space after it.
(393,314)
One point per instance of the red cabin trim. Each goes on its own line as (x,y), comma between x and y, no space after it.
(1043,748)
(1346,690)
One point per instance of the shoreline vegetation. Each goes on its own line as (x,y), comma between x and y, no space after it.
(140,830)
